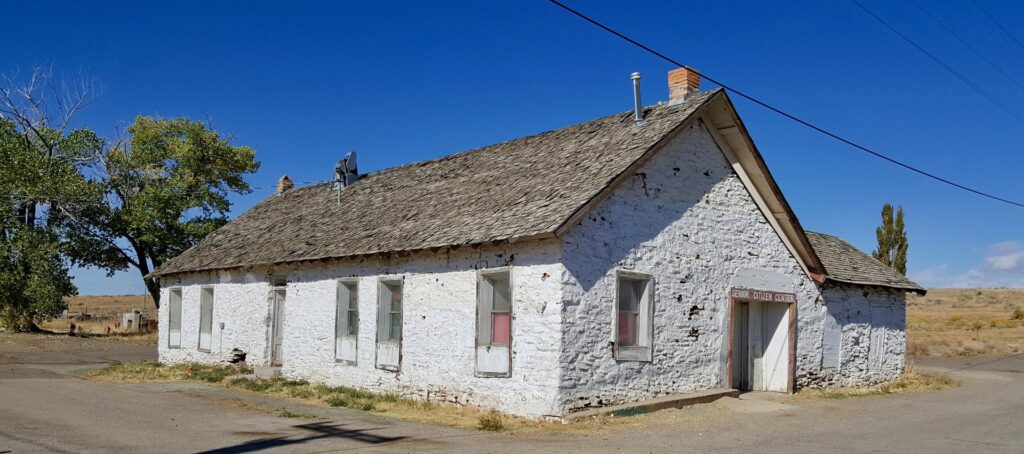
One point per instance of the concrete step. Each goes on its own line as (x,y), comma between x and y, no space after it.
(658,403)
(267,372)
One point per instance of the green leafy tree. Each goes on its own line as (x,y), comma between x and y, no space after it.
(162,188)
(892,240)
(40,176)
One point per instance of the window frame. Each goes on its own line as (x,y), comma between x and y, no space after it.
(354,282)
(170,308)
(644,350)
(213,300)
(481,276)
(383,282)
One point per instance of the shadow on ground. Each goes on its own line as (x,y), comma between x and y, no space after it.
(317,431)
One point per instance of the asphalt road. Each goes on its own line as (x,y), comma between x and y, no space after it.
(44,407)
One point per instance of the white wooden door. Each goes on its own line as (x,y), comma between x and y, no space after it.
(277,327)
(775,374)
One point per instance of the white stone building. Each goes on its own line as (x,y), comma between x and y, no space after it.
(602,263)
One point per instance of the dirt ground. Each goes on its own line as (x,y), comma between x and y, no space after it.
(958,322)
(46,407)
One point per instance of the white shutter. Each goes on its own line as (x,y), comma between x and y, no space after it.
(174,319)
(832,336)
(485,300)
(205,318)
(345,345)
(389,351)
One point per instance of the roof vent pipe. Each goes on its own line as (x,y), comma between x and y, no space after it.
(638,109)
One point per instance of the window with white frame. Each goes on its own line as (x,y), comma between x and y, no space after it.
(633,333)
(389,324)
(494,323)
(494,326)
(346,329)
(174,319)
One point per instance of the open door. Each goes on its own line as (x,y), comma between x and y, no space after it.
(761,351)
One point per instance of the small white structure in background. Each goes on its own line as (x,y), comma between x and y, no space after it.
(607,262)
(131,322)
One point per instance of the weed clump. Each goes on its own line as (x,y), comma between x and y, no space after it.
(491,422)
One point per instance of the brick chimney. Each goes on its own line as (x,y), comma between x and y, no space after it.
(682,82)
(284,184)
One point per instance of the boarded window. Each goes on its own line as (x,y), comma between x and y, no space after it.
(346,321)
(632,329)
(174,319)
(389,324)
(205,318)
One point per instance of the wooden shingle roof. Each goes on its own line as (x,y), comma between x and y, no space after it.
(847,264)
(524,188)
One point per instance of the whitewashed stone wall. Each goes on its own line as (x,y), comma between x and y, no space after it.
(240,302)
(686,219)
(439,327)
(871,336)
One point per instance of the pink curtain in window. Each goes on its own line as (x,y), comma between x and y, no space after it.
(501,324)
(627,329)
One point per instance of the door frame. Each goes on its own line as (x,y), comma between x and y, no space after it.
(274,331)
(738,295)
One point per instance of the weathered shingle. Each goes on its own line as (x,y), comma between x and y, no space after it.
(845,263)
(526,187)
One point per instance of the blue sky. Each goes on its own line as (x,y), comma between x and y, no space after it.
(303,83)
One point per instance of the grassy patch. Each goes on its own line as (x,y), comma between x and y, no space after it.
(390,405)
(156,372)
(286,413)
(910,381)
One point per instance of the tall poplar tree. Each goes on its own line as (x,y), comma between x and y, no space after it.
(892,240)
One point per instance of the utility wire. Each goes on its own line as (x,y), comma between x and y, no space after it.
(941,63)
(968,45)
(994,21)
(785,114)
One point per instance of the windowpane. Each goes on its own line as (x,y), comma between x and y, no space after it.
(631,306)
(500,297)
(352,323)
(630,292)
(501,324)
(627,329)
(174,319)
(396,326)
(396,298)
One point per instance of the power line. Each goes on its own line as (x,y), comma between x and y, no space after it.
(968,45)
(974,86)
(785,114)
(994,21)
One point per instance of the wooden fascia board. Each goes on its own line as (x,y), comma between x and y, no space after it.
(734,140)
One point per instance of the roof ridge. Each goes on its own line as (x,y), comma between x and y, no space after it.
(517,139)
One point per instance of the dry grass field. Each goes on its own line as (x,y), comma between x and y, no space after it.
(105,312)
(111,304)
(957,322)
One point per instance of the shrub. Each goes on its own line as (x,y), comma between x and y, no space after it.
(1000,323)
(1018,313)
(492,422)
